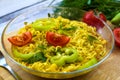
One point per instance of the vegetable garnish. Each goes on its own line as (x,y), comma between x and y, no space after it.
(39,56)
(67,31)
(18,54)
(71,56)
(116,33)
(30,57)
(91,38)
(91,19)
(21,40)
(57,39)
(89,63)
(44,24)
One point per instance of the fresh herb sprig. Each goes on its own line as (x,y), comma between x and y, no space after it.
(39,56)
(109,7)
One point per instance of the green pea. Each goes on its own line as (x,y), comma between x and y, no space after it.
(20,55)
(116,19)
(89,63)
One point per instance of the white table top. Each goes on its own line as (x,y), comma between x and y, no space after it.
(8,6)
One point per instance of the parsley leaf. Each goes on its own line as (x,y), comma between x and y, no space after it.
(39,56)
(91,38)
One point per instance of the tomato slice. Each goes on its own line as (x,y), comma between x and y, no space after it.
(116,33)
(57,39)
(21,40)
(94,20)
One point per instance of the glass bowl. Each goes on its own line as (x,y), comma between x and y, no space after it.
(43,12)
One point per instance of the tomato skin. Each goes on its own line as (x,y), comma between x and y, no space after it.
(116,33)
(57,39)
(103,17)
(94,20)
(21,40)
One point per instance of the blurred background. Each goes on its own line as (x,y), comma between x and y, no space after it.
(11,8)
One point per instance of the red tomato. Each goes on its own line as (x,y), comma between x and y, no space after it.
(92,19)
(116,33)
(21,40)
(103,17)
(57,39)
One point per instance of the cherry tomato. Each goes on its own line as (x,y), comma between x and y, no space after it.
(91,19)
(21,40)
(57,39)
(116,33)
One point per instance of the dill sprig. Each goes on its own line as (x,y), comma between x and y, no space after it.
(109,7)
